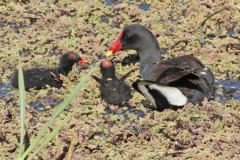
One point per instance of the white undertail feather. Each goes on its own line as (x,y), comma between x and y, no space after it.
(145,92)
(172,94)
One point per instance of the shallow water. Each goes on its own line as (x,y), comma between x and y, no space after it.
(226,90)
(138,113)
(5,89)
(105,20)
(39,105)
(144,7)
(114,2)
(231,32)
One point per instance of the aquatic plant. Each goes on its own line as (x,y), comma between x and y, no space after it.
(60,109)
(202,24)
(45,29)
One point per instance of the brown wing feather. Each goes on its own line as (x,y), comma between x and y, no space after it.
(174,69)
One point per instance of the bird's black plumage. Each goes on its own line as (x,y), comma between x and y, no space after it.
(177,81)
(38,78)
(113,90)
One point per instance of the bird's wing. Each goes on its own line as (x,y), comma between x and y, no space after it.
(97,79)
(126,75)
(175,69)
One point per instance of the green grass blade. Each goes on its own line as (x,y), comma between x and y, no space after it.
(22,105)
(202,24)
(62,106)
(51,135)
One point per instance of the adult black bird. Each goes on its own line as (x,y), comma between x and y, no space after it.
(166,84)
(38,78)
(113,90)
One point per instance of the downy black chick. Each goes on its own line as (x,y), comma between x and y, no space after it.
(38,78)
(113,90)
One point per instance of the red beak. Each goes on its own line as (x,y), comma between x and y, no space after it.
(82,62)
(116,46)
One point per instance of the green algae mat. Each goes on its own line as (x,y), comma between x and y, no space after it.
(43,30)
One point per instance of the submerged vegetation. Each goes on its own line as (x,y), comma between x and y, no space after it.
(43,30)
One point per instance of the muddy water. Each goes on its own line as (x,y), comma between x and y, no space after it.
(226,89)
(5,89)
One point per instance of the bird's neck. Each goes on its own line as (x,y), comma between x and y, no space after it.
(148,59)
(108,72)
(65,70)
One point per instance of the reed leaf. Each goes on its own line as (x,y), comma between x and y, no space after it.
(51,135)
(62,106)
(22,97)
(202,24)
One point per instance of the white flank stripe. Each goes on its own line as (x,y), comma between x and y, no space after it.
(205,69)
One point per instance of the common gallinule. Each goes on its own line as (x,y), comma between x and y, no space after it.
(113,90)
(38,78)
(166,84)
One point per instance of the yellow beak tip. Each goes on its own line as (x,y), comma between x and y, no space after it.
(109,53)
